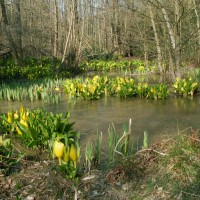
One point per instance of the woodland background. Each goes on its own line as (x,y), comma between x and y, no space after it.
(72,30)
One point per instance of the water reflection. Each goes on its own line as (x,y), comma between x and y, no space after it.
(156,117)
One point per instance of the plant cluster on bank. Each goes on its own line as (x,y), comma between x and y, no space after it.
(137,66)
(51,90)
(46,67)
(125,87)
(34,69)
(44,131)
(185,87)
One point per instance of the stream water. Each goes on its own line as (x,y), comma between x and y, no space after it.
(157,117)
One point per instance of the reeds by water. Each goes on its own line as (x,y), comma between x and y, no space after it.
(48,91)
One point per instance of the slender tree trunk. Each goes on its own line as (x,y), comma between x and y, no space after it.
(31,4)
(18,28)
(74,36)
(170,31)
(159,58)
(198,28)
(168,54)
(55,51)
(198,20)
(146,54)
(67,42)
(81,40)
(178,39)
(171,64)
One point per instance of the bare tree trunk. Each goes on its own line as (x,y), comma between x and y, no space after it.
(171,64)
(7,28)
(159,58)
(178,39)
(72,40)
(174,38)
(198,28)
(55,51)
(67,42)
(18,28)
(81,40)
(167,55)
(146,54)
(198,21)
(171,34)
(30,27)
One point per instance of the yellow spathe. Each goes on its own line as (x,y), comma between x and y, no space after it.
(58,149)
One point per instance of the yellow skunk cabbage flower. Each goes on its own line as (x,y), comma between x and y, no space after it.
(22,110)
(175,85)
(95,79)
(10,117)
(146,85)
(73,154)
(57,89)
(105,79)
(91,89)
(23,122)
(16,116)
(25,116)
(80,86)
(118,88)
(194,84)
(182,89)
(18,130)
(139,87)
(59,150)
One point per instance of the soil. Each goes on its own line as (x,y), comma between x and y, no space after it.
(41,180)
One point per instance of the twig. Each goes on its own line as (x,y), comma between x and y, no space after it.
(161,153)
(196,139)
(17,149)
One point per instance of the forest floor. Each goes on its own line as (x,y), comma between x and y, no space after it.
(168,169)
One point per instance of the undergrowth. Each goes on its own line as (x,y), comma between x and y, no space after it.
(172,167)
